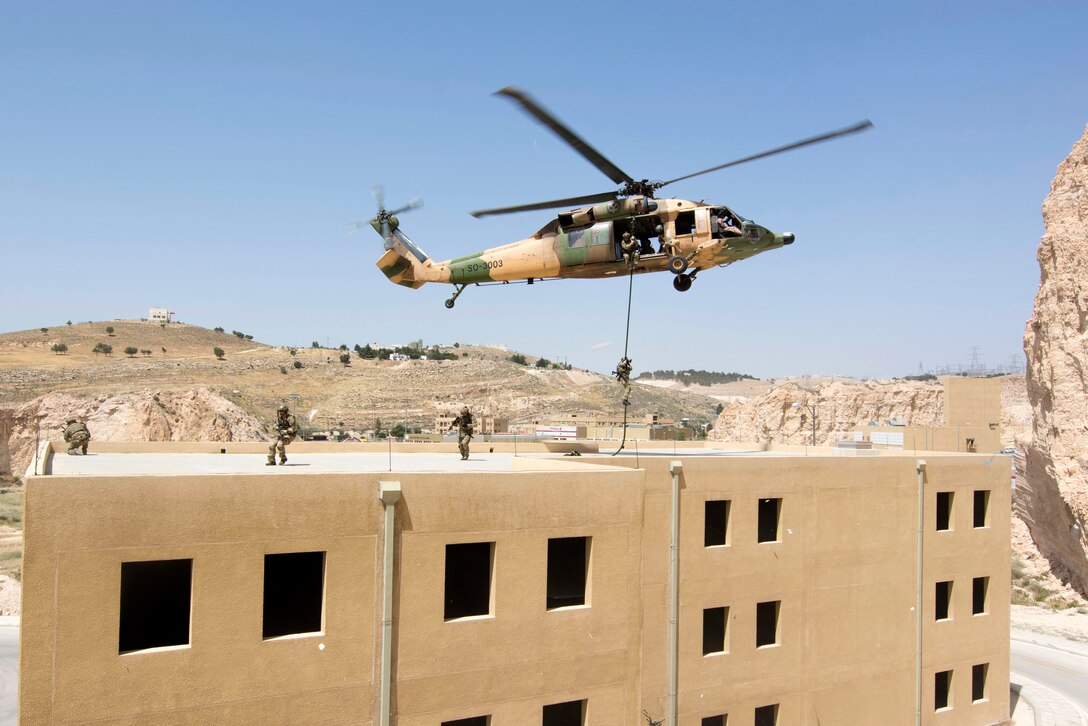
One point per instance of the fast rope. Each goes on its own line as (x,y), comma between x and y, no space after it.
(632,260)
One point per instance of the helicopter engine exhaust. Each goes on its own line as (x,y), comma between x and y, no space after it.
(613,209)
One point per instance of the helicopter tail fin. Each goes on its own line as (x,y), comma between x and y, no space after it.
(404,263)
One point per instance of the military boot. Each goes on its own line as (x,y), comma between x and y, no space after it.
(270,462)
(283,460)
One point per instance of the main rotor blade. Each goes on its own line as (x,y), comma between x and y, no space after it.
(858,127)
(576,142)
(568,202)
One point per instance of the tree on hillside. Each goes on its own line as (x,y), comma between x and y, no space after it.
(103,348)
(145,352)
(59,348)
(131,352)
(345,358)
(164,351)
(719,409)
(519,359)
(218,352)
(219,329)
(109,330)
(45,330)
(314,345)
(543,363)
(343,346)
(69,323)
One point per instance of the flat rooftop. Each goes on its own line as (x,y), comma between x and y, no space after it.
(96,464)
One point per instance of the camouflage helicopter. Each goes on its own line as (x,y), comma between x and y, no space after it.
(610,234)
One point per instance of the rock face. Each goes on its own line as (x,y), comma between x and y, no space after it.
(1053,498)
(772,417)
(196,415)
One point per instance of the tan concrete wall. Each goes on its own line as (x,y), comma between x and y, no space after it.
(971,401)
(844,569)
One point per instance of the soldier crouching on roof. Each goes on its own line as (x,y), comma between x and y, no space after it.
(286,430)
(463,422)
(77,437)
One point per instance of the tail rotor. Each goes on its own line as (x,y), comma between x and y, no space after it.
(385,221)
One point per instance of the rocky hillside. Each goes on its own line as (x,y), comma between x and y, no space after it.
(1054,499)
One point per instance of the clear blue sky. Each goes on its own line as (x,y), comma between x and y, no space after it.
(205,156)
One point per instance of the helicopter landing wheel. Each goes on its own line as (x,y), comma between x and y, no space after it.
(682,283)
(678,264)
(449,303)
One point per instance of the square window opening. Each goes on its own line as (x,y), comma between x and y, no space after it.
(981,508)
(715,622)
(770,511)
(767,715)
(472,721)
(767,623)
(980,587)
(942,690)
(716,523)
(942,600)
(294,593)
(978,681)
(714,720)
(944,511)
(468,579)
(570,713)
(568,568)
(156,600)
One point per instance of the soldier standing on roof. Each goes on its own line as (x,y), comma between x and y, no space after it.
(286,430)
(463,422)
(77,437)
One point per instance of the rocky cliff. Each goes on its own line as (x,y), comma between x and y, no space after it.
(195,415)
(1053,497)
(840,406)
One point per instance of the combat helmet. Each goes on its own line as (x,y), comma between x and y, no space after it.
(282,408)
(72,421)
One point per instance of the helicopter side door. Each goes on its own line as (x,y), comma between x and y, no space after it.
(585,245)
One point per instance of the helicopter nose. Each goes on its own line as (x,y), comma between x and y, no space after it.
(787,239)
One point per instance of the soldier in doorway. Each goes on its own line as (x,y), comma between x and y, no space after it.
(77,437)
(463,422)
(286,430)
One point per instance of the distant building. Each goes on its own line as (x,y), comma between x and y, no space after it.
(483,423)
(398,357)
(159,315)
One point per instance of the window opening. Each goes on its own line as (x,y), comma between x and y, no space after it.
(714,625)
(767,623)
(716,523)
(156,598)
(769,514)
(979,588)
(468,579)
(944,511)
(942,690)
(570,713)
(723,224)
(473,721)
(713,720)
(767,715)
(978,681)
(568,563)
(943,600)
(982,505)
(294,593)
(685,222)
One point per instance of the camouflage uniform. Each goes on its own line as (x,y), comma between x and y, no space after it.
(464,431)
(77,437)
(286,430)
(623,375)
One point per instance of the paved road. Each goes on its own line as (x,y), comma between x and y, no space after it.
(9,676)
(1060,665)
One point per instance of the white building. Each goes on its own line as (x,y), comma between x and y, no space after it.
(159,315)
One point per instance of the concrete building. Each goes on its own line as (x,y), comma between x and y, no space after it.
(159,315)
(972,421)
(651,427)
(484,423)
(187,584)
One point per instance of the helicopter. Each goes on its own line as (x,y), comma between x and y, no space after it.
(606,235)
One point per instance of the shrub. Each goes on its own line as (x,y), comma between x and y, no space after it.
(543,363)
(45,330)
(219,330)
(292,351)
(146,352)
(59,348)
(298,364)
(519,359)
(283,370)
(131,352)
(164,351)
(218,353)
(345,358)
(109,330)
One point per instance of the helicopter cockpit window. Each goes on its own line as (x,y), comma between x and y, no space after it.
(685,223)
(723,224)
